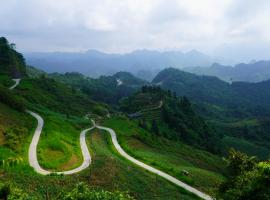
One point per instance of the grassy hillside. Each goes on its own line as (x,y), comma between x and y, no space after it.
(110,171)
(59,146)
(171,156)
(46,92)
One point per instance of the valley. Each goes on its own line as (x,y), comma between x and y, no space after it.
(61,134)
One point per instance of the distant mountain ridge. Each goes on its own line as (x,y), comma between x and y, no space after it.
(142,63)
(251,72)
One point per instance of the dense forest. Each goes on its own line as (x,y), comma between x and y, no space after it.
(12,63)
(176,112)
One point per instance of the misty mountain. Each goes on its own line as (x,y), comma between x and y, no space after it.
(142,63)
(239,97)
(252,72)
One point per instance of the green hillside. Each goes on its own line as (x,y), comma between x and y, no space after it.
(238,110)
(167,115)
(172,156)
(108,89)
(12,63)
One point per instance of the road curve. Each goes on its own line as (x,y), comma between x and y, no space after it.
(33,161)
(32,153)
(151,169)
(17,82)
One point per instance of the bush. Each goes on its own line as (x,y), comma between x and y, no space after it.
(10,99)
(82,192)
(99,110)
(14,136)
(11,192)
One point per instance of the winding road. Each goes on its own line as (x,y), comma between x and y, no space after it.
(32,153)
(33,161)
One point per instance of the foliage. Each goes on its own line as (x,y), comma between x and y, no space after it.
(56,96)
(106,88)
(10,99)
(176,113)
(14,136)
(12,63)
(248,179)
(11,192)
(171,156)
(82,192)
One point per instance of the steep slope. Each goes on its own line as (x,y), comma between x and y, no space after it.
(238,110)
(169,116)
(11,62)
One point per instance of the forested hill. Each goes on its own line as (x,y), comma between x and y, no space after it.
(167,115)
(254,97)
(108,89)
(12,63)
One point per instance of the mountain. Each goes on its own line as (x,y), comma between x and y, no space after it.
(237,110)
(252,72)
(143,63)
(210,89)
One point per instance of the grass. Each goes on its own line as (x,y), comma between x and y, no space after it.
(59,146)
(6,81)
(111,171)
(246,147)
(9,118)
(170,156)
(108,170)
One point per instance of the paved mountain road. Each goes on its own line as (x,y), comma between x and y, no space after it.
(33,161)
(32,153)
(151,169)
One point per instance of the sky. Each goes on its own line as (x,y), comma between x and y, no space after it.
(239,28)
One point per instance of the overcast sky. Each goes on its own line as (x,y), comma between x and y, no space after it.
(224,26)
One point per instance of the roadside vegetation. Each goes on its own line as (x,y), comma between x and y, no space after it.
(194,166)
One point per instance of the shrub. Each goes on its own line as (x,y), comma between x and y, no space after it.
(82,192)
(12,100)
(14,136)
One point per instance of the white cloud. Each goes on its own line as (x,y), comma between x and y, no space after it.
(125,25)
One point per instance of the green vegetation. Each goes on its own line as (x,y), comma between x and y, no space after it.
(11,62)
(46,92)
(82,192)
(162,108)
(104,89)
(59,146)
(5,81)
(9,98)
(111,171)
(245,146)
(248,179)
(173,157)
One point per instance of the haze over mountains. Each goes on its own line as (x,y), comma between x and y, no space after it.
(251,72)
(143,63)
(147,63)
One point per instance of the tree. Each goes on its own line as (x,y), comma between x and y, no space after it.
(4,191)
(154,127)
(142,124)
(247,180)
